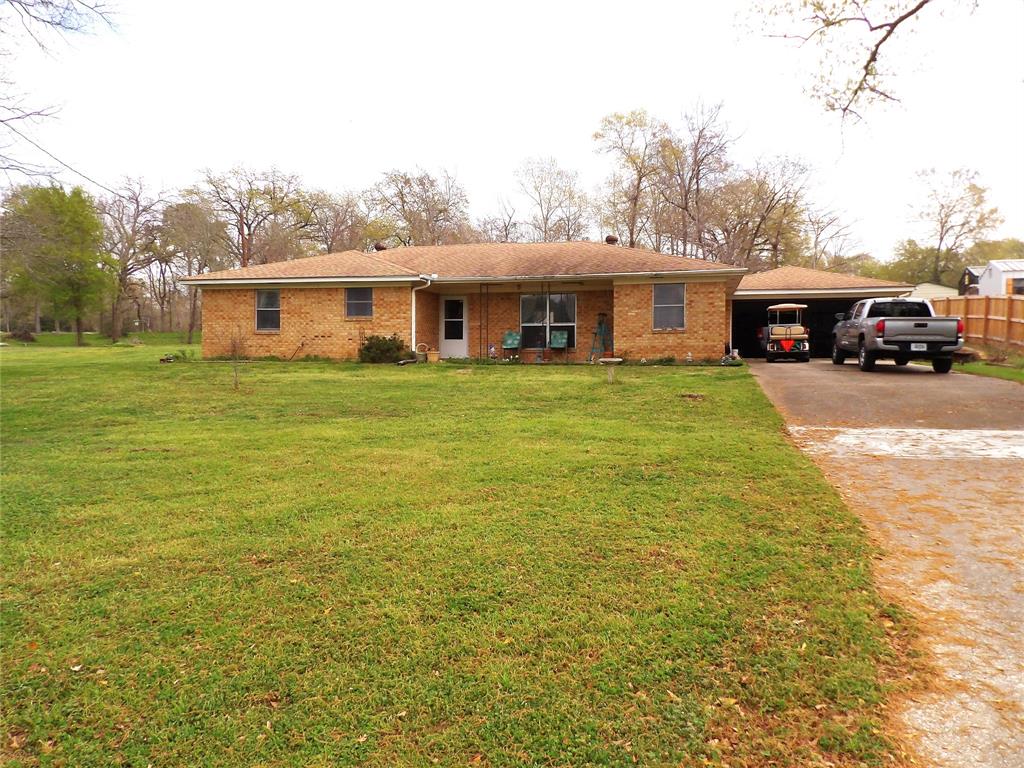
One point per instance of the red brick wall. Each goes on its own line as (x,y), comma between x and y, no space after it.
(500,313)
(314,318)
(313,322)
(428,322)
(706,321)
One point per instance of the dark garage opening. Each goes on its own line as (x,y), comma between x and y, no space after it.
(749,315)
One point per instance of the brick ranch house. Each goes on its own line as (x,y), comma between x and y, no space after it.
(461,299)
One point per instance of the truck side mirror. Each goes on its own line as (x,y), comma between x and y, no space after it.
(840,315)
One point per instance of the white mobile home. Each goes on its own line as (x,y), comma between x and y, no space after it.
(1002,277)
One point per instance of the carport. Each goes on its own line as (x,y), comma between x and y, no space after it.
(824,293)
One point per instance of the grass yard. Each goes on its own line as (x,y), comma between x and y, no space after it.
(354,565)
(1011,370)
(50,339)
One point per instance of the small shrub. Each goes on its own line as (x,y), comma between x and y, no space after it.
(22,334)
(383,349)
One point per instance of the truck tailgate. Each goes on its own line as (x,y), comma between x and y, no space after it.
(920,329)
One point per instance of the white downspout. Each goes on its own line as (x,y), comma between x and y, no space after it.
(427,280)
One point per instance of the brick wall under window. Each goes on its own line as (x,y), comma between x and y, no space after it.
(706,331)
(313,322)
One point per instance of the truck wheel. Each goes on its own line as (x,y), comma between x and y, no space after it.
(942,364)
(901,361)
(806,358)
(865,359)
(838,356)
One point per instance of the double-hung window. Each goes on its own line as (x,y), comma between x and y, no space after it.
(359,302)
(669,306)
(541,313)
(268,310)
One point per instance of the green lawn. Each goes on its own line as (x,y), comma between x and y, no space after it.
(345,564)
(1014,373)
(50,339)
(1011,368)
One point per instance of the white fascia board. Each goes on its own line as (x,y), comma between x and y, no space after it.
(689,274)
(245,282)
(820,293)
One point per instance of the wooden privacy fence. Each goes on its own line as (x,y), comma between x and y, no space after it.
(991,320)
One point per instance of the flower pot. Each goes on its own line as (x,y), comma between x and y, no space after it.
(433,355)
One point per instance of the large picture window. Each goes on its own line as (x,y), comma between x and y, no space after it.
(541,313)
(669,306)
(268,310)
(359,302)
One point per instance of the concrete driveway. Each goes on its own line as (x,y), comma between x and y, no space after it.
(934,465)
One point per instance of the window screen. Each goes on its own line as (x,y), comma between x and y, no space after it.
(359,302)
(669,306)
(268,310)
(541,313)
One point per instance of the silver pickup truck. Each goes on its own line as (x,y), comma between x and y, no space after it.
(896,329)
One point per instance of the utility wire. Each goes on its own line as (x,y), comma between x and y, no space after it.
(53,157)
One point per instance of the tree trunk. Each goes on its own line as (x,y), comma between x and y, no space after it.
(115,319)
(192,292)
(38,318)
(79,336)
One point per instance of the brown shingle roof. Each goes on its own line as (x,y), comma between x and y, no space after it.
(477,260)
(343,264)
(803,279)
(491,260)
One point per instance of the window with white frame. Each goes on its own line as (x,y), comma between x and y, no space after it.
(669,306)
(541,313)
(268,310)
(359,302)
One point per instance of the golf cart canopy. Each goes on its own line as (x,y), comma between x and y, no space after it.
(786,307)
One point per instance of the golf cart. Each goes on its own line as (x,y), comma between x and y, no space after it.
(785,335)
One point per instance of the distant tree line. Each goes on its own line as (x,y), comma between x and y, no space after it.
(115,262)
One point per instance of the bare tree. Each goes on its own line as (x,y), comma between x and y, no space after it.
(422,209)
(41,21)
(265,211)
(692,167)
(131,223)
(753,215)
(162,286)
(829,238)
(502,227)
(337,222)
(198,242)
(852,36)
(558,206)
(956,211)
(634,142)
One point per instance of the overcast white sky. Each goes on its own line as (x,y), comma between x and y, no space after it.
(338,92)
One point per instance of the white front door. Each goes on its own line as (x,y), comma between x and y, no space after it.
(454,327)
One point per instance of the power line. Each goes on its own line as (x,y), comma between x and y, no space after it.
(53,157)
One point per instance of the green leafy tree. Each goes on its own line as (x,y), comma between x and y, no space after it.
(915,263)
(984,251)
(55,241)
